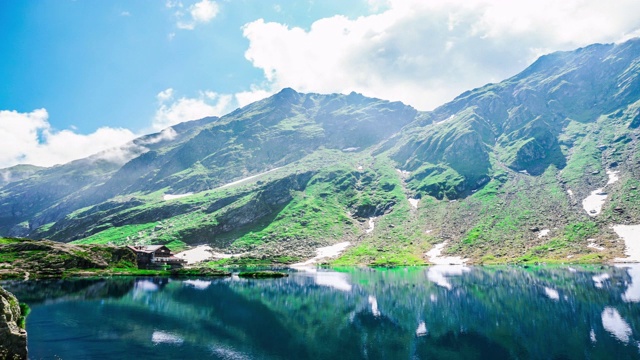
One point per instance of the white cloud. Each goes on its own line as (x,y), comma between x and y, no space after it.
(200,13)
(245,98)
(207,103)
(170,4)
(125,13)
(165,95)
(186,109)
(426,52)
(29,138)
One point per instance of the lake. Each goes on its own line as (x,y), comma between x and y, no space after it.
(437,312)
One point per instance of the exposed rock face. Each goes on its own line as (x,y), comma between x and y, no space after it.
(13,339)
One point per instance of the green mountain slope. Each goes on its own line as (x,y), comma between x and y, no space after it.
(500,174)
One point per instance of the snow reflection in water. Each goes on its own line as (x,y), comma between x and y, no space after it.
(439,274)
(615,324)
(389,313)
(198,284)
(633,290)
(162,337)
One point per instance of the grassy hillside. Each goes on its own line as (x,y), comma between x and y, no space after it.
(499,174)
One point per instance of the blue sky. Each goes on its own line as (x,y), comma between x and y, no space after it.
(80,76)
(97,63)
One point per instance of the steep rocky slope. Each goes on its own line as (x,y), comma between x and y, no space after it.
(500,174)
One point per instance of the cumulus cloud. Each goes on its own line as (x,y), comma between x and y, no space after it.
(199,13)
(28,138)
(208,103)
(426,52)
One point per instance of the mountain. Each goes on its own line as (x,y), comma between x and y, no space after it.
(499,173)
(17,173)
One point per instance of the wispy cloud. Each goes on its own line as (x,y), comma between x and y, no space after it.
(201,12)
(171,112)
(29,138)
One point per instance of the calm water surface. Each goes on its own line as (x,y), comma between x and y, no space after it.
(439,312)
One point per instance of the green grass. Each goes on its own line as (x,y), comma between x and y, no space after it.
(9,240)
(262,274)
(25,310)
(580,231)
(123,235)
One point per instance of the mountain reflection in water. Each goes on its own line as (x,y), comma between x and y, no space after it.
(405,313)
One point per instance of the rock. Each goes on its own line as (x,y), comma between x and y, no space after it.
(13,344)
(618,210)
(534,229)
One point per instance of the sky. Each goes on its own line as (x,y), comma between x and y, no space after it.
(78,77)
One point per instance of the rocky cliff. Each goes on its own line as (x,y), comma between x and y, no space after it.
(13,338)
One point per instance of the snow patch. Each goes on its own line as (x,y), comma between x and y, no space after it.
(202,253)
(570,192)
(197,254)
(246,179)
(372,225)
(324,253)
(615,324)
(631,236)
(592,204)
(593,245)
(168,197)
(435,256)
(543,233)
(613,177)
(414,203)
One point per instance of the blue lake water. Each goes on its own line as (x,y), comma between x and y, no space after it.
(439,312)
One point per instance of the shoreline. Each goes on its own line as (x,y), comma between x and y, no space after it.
(229,271)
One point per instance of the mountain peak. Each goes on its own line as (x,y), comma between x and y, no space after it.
(287,94)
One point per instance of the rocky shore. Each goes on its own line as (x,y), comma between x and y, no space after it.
(13,336)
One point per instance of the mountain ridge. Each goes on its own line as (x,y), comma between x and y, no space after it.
(473,169)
